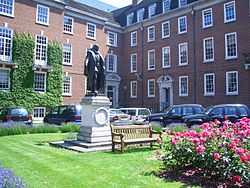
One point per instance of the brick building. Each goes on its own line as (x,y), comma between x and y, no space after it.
(157,53)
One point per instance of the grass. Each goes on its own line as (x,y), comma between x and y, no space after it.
(40,165)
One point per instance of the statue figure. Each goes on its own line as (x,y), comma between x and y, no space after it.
(94,70)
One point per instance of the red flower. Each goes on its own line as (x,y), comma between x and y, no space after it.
(236,179)
(200,149)
(216,156)
(244,158)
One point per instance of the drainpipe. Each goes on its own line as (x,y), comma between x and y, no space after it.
(194,57)
(142,64)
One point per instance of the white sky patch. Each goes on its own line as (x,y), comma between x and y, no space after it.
(118,3)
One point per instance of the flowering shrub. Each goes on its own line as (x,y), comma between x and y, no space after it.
(220,150)
(8,180)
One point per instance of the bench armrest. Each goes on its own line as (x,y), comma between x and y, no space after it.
(152,132)
(117,134)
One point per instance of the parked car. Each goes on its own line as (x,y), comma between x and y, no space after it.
(14,116)
(117,115)
(64,114)
(232,112)
(176,114)
(138,115)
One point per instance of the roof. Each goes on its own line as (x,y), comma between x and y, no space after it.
(98,4)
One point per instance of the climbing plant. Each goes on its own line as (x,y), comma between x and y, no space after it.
(22,77)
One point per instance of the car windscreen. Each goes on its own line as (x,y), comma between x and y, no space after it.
(143,112)
(198,110)
(243,111)
(18,112)
(175,111)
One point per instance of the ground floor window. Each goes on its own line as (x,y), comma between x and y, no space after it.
(183,86)
(209,84)
(151,88)
(4,79)
(39,113)
(67,86)
(232,83)
(133,89)
(40,81)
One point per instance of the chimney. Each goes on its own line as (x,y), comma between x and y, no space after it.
(136,2)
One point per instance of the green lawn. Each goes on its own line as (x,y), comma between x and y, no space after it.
(42,166)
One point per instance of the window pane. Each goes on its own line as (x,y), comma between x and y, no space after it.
(6,7)
(4,79)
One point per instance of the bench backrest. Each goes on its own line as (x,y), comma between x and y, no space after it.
(133,131)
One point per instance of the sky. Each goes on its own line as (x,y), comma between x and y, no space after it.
(118,3)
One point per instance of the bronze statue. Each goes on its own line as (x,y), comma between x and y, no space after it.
(94,70)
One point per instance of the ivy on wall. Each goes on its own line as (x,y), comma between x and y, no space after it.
(22,78)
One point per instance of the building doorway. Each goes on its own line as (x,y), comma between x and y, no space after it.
(111,94)
(165,84)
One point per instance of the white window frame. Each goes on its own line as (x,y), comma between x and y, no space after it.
(227,84)
(115,38)
(226,46)
(115,62)
(38,118)
(204,50)
(149,94)
(131,63)
(71,54)
(4,57)
(129,16)
(70,86)
(39,61)
(153,29)
(185,94)
(6,89)
(225,16)
(149,51)
(150,8)
(186,44)
(131,89)
(179,25)
(162,29)
(48,9)
(134,33)
(45,81)
(169,53)
(203,18)
(87,31)
(72,26)
(13,11)
(205,84)
(180,4)
(139,12)
(163,7)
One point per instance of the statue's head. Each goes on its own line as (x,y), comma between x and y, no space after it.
(95,47)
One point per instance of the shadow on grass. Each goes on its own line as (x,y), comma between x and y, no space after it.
(133,150)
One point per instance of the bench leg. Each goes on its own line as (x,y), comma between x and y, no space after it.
(113,147)
(122,147)
(151,145)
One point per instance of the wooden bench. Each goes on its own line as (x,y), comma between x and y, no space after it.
(134,134)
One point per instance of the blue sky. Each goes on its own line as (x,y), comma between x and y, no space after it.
(118,3)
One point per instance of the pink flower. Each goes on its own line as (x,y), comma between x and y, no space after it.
(216,156)
(245,158)
(173,141)
(200,149)
(236,179)
(240,151)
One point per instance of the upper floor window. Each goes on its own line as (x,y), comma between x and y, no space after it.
(151,33)
(183,54)
(151,10)
(182,24)
(140,15)
(91,31)
(166,57)
(182,3)
(40,81)
(208,49)
(41,50)
(165,29)
(166,5)
(207,18)
(183,86)
(231,45)
(133,62)
(67,86)
(67,54)
(4,79)
(151,88)
(209,84)
(111,63)
(42,15)
(112,39)
(133,38)
(7,7)
(133,89)
(229,12)
(151,59)
(5,44)
(68,23)
(130,18)
(232,83)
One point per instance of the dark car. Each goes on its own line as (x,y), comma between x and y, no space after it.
(176,114)
(232,112)
(64,114)
(14,116)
